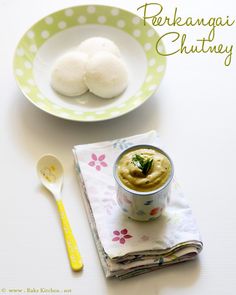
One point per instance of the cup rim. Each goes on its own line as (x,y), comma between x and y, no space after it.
(140,193)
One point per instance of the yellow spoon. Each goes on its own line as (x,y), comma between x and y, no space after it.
(50,172)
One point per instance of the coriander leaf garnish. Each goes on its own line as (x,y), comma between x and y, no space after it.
(142,164)
(147,166)
(138,161)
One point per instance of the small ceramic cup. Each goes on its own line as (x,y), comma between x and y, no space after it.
(142,206)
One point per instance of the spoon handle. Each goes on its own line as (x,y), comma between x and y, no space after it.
(71,245)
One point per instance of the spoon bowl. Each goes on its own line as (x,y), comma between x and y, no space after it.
(50,172)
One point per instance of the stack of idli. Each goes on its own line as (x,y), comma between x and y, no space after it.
(95,65)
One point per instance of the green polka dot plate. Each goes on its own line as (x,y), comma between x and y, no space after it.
(62,31)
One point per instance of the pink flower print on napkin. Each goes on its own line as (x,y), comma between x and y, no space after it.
(121,236)
(97,161)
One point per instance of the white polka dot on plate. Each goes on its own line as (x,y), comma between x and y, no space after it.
(115,113)
(160,68)
(152,62)
(137,98)
(64,115)
(62,25)
(139,93)
(160,49)
(115,11)
(147,46)
(91,9)
(136,20)
(102,19)
(137,33)
(26,89)
(120,106)
(69,12)
(19,72)
(82,19)
(48,20)
(137,102)
(152,87)
(45,34)
(90,118)
(30,34)
(33,48)
(27,64)
(20,51)
(56,106)
(40,96)
(79,112)
(31,82)
(100,112)
(149,78)
(150,33)
(41,105)
(121,23)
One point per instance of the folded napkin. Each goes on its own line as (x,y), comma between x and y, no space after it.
(126,247)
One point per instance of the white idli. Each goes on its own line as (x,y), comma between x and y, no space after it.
(106,75)
(67,76)
(94,45)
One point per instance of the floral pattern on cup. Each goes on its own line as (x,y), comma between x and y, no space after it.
(121,236)
(155,211)
(98,161)
(147,203)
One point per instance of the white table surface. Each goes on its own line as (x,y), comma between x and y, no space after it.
(193,110)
